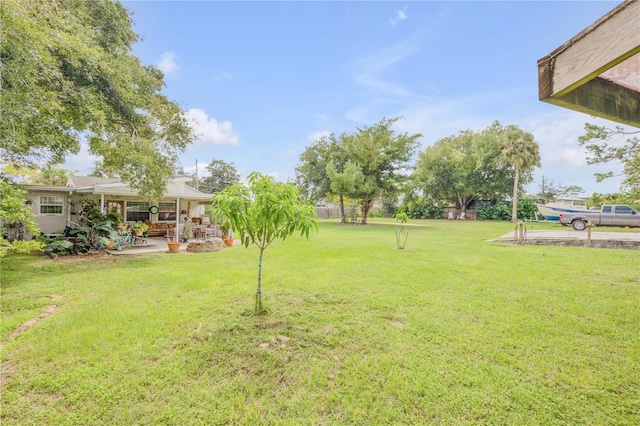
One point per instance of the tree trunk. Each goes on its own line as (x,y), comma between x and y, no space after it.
(258,306)
(366,205)
(463,201)
(514,207)
(344,219)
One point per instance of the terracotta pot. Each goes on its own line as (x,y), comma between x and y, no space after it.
(174,246)
(109,245)
(228,241)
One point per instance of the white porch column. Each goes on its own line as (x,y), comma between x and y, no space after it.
(103,208)
(177,237)
(68,206)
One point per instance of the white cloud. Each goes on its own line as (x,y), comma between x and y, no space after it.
(401,15)
(202,169)
(81,164)
(563,160)
(167,63)
(316,136)
(288,154)
(371,68)
(572,157)
(223,76)
(209,130)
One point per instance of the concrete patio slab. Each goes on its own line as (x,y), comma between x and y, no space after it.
(599,239)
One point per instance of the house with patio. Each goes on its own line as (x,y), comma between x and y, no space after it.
(54,206)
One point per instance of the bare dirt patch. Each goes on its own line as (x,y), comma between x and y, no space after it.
(7,369)
(100,256)
(49,310)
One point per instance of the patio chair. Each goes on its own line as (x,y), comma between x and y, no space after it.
(171,233)
(462,216)
(450,216)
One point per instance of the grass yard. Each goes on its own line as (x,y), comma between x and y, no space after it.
(451,330)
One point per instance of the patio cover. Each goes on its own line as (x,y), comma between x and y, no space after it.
(598,71)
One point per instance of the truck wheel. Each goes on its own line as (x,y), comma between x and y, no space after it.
(579,225)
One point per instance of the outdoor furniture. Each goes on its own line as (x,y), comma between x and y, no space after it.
(171,233)
(204,231)
(210,232)
(158,229)
(462,216)
(450,217)
(199,231)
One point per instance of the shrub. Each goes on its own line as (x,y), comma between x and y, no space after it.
(421,209)
(502,211)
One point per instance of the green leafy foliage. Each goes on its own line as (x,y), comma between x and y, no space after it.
(630,198)
(503,211)
(366,164)
(223,175)
(476,165)
(50,176)
(606,145)
(421,209)
(68,73)
(382,155)
(402,217)
(61,246)
(16,214)
(519,151)
(311,173)
(13,209)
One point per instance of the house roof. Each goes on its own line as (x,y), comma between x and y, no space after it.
(176,188)
(597,72)
(84,181)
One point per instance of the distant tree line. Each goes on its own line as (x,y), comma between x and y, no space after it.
(373,164)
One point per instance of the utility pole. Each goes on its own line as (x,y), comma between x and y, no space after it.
(197,174)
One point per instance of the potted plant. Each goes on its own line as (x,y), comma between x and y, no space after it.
(139,228)
(225,227)
(114,217)
(174,246)
(187,230)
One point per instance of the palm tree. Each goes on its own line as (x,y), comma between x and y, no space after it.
(522,152)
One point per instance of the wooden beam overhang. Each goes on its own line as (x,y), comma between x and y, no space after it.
(598,71)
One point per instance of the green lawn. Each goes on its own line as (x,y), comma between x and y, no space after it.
(451,330)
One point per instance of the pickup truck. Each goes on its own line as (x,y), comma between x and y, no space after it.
(609,215)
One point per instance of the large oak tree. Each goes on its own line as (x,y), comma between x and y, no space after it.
(67,75)
(466,167)
(365,164)
(383,156)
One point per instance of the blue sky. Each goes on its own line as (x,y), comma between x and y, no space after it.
(263,80)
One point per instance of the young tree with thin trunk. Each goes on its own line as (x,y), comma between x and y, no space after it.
(262,212)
